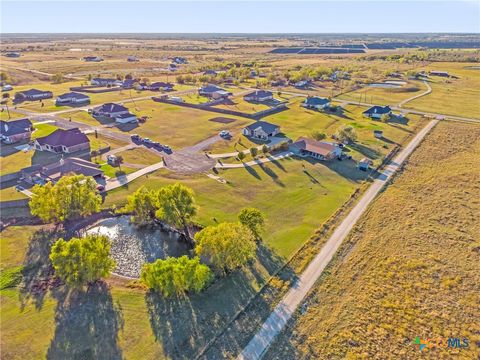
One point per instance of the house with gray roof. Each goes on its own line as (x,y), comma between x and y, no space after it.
(315,102)
(109,110)
(72,98)
(63,141)
(32,95)
(259,96)
(376,112)
(15,130)
(105,82)
(261,130)
(213,91)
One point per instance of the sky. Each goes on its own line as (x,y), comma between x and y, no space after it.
(228,16)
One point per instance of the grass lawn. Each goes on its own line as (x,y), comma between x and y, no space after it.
(9,193)
(298,121)
(4,115)
(179,126)
(140,156)
(384,96)
(452,96)
(408,269)
(238,104)
(278,189)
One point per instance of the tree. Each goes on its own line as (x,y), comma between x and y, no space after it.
(385,118)
(71,197)
(241,155)
(57,78)
(347,134)
(80,261)
(253,152)
(176,205)
(253,219)
(265,149)
(317,135)
(227,245)
(143,204)
(119,161)
(176,276)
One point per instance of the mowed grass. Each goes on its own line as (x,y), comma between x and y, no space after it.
(452,96)
(179,126)
(10,115)
(295,199)
(384,96)
(140,156)
(408,269)
(298,121)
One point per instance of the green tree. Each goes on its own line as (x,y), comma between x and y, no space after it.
(227,246)
(241,155)
(143,204)
(176,276)
(253,152)
(317,135)
(385,118)
(71,197)
(265,149)
(80,261)
(176,205)
(347,134)
(253,219)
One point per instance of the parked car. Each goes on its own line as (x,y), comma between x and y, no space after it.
(111,159)
(167,148)
(224,133)
(157,146)
(100,187)
(19,188)
(136,138)
(147,142)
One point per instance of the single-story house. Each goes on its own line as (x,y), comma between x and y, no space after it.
(105,82)
(213,91)
(128,83)
(302,84)
(93,58)
(72,98)
(315,102)
(55,171)
(7,87)
(126,118)
(33,95)
(259,95)
(156,86)
(278,83)
(261,130)
(132,59)
(378,134)
(439,73)
(15,130)
(210,72)
(110,110)
(321,150)
(364,164)
(376,112)
(12,54)
(63,141)
(179,60)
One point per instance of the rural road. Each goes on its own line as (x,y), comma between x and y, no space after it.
(287,306)
(123,180)
(429,90)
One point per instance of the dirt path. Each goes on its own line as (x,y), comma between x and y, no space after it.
(429,90)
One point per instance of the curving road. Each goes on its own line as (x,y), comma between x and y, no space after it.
(429,90)
(287,306)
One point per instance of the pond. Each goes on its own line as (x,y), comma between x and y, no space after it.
(384,85)
(132,246)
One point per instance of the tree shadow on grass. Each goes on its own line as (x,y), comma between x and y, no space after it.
(366,151)
(273,175)
(37,269)
(87,325)
(184,325)
(252,172)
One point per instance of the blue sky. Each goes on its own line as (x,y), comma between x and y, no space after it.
(239,16)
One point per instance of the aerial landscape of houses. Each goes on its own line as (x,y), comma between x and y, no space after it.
(250,180)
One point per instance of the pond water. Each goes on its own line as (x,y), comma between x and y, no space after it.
(384,85)
(132,246)
(475,67)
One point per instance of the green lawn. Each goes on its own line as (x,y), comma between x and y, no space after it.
(140,156)
(452,96)
(4,115)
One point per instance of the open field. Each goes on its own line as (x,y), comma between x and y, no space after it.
(452,96)
(392,280)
